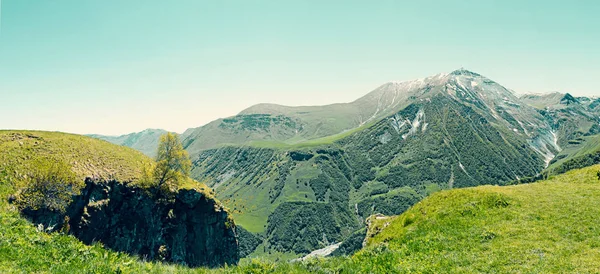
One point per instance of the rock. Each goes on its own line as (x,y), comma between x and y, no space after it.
(191,229)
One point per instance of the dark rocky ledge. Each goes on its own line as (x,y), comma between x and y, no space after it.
(188,228)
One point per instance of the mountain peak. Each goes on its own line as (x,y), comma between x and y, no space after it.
(463,71)
(568,99)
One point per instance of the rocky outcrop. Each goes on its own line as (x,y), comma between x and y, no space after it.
(188,228)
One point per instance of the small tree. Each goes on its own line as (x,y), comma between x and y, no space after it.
(173,164)
(50,185)
(598,174)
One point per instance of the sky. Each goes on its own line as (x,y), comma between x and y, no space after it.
(119,66)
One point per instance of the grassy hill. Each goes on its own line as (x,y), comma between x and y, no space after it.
(25,249)
(22,247)
(87,156)
(550,226)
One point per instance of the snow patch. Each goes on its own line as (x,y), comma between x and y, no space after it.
(323,252)
(417,121)
(398,122)
(523,127)
(555,140)
(415,124)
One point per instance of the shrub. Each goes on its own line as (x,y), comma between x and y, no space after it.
(50,185)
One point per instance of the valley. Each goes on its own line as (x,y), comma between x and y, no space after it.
(303,178)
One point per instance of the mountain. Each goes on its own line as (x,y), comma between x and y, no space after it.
(571,117)
(283,125)
(293,125)
(576,121)
(382,153)
(109,206)
(145,141)
(451,130)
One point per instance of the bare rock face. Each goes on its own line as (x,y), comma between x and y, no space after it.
(189,228)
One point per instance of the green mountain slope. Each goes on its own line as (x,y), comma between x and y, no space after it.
(576,122)
(458,130)
(580,152)
(145,141)
(570,117)
(383,152)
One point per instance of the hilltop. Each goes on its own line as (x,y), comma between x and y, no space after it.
(112,207)
(88,157)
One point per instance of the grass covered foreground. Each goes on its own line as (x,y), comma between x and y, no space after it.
(549,226)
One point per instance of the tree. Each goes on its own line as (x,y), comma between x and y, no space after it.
(50,185)
(173,164)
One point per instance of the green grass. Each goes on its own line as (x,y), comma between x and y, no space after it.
(546,227)
(87,156)
(551,226)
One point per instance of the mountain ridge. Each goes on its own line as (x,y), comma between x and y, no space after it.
(145,141)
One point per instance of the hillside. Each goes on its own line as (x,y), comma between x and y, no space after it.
(455,130)
(293,125)
(145,141)
(545,227)
(108,206)
(88,157)
(578,153)
(576,121)
(550,226)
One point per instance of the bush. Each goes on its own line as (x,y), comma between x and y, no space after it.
(50,185)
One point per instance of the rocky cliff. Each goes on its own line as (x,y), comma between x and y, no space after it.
(188,228)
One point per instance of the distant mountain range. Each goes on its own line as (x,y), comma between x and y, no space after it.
(302,178)
(145,141)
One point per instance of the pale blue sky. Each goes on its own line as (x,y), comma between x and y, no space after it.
(117,66)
